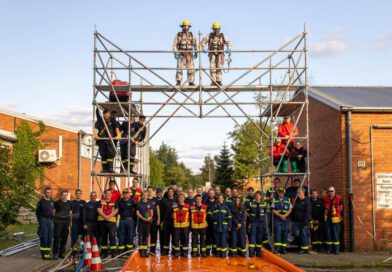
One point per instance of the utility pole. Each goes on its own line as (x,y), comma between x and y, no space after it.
(209,168)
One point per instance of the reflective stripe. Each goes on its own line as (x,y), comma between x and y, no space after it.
(336,243)
(129,246)
(242,249)
(121,247)
(266,241)
(104,247)
(153,245)
(194,249)
(328,243)
(233,249)
(305,247)
(203,249)
(184,248)
(224,249)
(277,244)
(251,245)
(142,247)
(113,247)
(258,246)
(176,248)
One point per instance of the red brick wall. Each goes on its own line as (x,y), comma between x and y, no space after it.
(325,146)
(63,174)
(328,166)
(362,189)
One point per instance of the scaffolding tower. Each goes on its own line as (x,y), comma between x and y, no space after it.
(272,85)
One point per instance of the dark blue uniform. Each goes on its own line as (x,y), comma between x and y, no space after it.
(282,206)
(210,239)
(127,212)
(91,216)
(146,210)
(257,221)
(229,201)
(238,236)
(154,228)
(222,219)
(78,221)
(44,214)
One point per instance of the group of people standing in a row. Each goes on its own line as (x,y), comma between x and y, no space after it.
(218,224)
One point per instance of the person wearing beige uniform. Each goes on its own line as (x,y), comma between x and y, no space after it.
(216,42)
(185,41)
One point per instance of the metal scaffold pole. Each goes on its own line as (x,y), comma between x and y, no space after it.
(283,71)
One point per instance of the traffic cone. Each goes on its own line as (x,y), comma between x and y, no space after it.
(96,263)
(87,259)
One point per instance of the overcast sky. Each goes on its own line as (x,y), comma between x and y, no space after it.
(46,50)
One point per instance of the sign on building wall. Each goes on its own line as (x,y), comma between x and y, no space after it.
(384,190)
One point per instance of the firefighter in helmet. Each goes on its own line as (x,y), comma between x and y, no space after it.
(185,48)
(216,42)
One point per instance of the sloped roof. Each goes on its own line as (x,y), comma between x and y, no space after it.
(355,98)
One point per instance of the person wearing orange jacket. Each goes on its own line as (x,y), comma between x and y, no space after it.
(284,131)
(181,227)
(199,228)
(278,150)
(333,208)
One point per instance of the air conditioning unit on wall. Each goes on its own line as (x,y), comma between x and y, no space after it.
(47,155)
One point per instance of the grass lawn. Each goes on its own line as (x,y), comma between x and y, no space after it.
(27,229)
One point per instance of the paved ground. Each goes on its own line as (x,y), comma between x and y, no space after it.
(375,261)
(29,260)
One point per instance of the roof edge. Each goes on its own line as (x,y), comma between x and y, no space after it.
(36,120)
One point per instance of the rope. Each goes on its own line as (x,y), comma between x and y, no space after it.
(229,60)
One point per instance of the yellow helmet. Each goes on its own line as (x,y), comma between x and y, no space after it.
(186,23)
(216,25)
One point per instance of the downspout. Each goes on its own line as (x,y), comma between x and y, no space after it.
(350,181)
(79,158)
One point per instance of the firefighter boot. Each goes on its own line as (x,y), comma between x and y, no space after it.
(294,168)
(283,166)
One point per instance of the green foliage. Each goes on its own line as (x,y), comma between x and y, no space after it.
(156,170)
(246,152)
(224,168)
(19,169)
(166,167)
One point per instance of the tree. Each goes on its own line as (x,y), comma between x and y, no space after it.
(19,169)
(224,168)
(156,170)
(247,152)
(168,156)
(208,169)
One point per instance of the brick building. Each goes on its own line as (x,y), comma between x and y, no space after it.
(73,150)
(362,164)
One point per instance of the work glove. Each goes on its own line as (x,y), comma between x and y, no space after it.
(228,51)
(205,50)
(195,55)
(176,56)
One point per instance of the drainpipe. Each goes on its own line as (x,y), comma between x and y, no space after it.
(350,181)
(79,158)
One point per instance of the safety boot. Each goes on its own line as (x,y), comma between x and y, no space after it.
(294,167)
(178,83)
